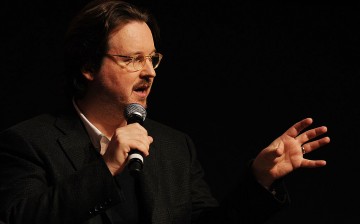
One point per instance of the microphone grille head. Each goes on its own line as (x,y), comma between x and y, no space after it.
(135,109)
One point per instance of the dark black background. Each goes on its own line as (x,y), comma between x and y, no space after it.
(234,76)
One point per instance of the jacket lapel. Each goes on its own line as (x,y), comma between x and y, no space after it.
(75,141)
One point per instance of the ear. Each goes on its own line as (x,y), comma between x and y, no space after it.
(87,73)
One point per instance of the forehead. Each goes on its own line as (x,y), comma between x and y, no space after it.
(134,37)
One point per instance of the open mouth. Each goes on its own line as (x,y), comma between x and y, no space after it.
(142,90)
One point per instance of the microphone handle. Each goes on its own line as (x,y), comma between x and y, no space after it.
(135,159)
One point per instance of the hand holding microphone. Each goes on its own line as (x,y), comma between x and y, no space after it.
(129,143)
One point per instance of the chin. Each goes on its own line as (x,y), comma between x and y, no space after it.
(141,102)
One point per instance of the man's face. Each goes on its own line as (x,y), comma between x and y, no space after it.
(116,82)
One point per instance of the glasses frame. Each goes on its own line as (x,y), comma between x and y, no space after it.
(133,58)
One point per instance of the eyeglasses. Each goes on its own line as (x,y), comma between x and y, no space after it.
(136,63)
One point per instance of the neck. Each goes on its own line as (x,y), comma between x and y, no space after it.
(102,115)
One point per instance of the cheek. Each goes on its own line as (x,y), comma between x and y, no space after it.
(115,80)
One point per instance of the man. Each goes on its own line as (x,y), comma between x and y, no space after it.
(72,167)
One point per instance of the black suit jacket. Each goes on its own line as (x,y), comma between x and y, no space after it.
(50,173)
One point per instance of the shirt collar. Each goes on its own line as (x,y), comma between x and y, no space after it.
(98,139)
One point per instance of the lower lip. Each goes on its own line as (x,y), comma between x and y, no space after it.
(142,94)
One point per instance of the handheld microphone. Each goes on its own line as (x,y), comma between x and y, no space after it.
(135,113)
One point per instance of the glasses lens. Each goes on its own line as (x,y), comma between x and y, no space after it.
(155,59)
(139,62)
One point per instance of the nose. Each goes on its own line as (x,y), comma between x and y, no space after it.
(148,68)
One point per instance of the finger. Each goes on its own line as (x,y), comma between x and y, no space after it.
(142,144)
(310,134)
(143,148)
(310,146)
(307,163)
(296,129)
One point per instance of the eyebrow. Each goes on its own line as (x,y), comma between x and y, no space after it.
(135,53)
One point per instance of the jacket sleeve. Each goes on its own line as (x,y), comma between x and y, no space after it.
(248,202)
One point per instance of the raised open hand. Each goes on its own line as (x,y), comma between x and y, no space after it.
(286,153)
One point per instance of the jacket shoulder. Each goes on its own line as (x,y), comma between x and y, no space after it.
(44,124)
(34,122)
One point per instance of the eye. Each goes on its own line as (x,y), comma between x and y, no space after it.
(127,60)
(139,59)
